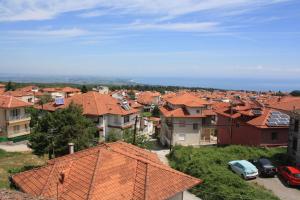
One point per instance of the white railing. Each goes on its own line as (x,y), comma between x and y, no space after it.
(18,117)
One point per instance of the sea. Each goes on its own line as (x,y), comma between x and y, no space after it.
(253,84)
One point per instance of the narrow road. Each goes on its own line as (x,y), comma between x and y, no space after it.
(16,147)
(161,153)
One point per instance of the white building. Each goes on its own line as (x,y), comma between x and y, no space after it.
(186,120)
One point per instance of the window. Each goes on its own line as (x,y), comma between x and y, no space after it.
(296,125)
(116,119)
(274,135)
(17,128)
(195,126)
(197,111)
(15,112)
(181,137)
(126,119)
(182,123)
(237,125)
(295,144)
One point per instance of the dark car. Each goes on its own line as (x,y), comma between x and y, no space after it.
(265,167)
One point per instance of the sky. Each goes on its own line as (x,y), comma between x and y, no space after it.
(151,38)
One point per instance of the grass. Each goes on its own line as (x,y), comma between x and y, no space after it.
(210,165)
(14,161)
(147,114)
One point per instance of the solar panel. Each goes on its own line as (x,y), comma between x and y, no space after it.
(59,101)
(277,118)
(256,112)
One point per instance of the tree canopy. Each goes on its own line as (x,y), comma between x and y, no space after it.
(84,89)
(10,86)
(52,132)
(295,93)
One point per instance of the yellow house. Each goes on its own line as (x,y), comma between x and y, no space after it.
(14,121)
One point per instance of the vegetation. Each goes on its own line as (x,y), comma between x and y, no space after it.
(127,135)
(155,112)
(295,93)
(13,162)
(84,89)
(10,86)
(147,114)
(131,95)
(210,165)
(52,132)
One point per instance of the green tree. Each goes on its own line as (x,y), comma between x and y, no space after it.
(84,89)
(155,112)
(53,131)
(295,93)
(131,95)
(10,86)
(46,98)
(127,135)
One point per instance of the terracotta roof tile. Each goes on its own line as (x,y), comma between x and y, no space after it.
(12,102)
(105,172)
(93,103)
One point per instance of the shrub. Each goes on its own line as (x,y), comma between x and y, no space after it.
(210,165)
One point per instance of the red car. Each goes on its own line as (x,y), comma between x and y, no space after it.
(290,174)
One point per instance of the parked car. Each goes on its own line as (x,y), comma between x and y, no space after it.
(290,174)
(265,167)
(243,168)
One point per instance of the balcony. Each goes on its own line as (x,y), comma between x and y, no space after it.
(16,133)
(18,118)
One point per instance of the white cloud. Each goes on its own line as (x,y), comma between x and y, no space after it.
(184,27)
(18,10)
(55,33)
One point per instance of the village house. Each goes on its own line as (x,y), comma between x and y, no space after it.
(108,171)
(26,96)
(64,92)
(252,125)
(186,120)
(291,106)
(2,88)
(107,112)
(149,99)
(14,121)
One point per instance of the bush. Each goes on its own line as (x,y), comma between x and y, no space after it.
(210,165)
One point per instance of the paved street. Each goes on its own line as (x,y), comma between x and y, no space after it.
(16,147)
(161,153)
(278,188)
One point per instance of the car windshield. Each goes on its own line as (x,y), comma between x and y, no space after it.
(297,175)
(265,162)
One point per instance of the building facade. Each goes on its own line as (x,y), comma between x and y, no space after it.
(14,121)
(186,120)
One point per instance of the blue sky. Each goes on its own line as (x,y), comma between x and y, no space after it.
(188,38)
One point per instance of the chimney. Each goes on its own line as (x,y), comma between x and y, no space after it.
(71,148)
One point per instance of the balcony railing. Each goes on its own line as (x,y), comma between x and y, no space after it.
(18,117)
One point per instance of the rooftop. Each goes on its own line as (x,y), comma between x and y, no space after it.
(109,171)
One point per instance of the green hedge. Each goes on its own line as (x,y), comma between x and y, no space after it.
(19,138)
(3,139)
(220,183)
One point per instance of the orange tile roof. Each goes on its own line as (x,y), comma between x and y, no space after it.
(18,93)
(93,103)
(187,99)
(70,90)
(115,171)
(287,105)
(146,98)
(12,102)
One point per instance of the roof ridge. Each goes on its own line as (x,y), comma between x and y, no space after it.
(91,188)
(44,188)
(161,166)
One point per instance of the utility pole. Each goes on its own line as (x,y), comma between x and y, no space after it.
(231,113)
(172,129)
(134,133)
